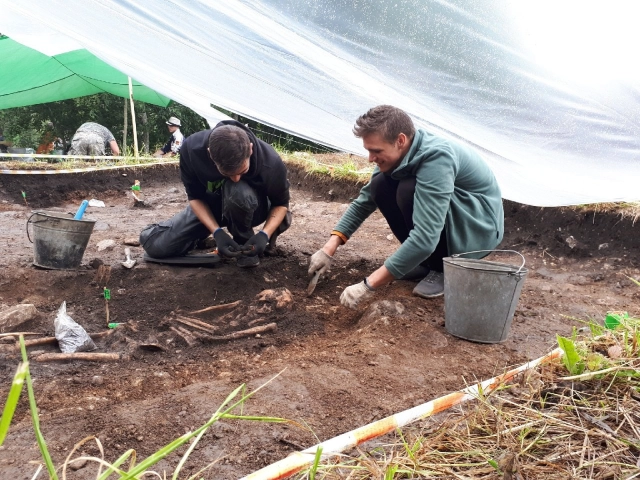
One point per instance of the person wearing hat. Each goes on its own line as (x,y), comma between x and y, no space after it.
(172,147)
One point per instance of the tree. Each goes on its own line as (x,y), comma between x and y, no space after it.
(25,126)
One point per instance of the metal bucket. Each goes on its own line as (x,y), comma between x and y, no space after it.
(58,241)
(480,297)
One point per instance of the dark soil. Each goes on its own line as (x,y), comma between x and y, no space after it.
(338,369)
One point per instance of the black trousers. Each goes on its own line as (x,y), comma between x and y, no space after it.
(394,198)
(235,205)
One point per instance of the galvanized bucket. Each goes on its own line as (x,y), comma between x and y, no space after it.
(480,297)
(59,241)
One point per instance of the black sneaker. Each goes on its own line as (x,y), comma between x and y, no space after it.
(431,286)
(248,262)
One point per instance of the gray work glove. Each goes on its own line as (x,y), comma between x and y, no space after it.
(319,262)
(355,294)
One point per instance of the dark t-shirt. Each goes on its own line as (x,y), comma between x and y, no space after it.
(267,173)
(174,143)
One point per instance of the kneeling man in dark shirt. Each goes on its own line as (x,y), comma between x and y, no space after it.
(232,180)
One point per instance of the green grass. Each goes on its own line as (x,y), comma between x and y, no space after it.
(134,470)
(336,166)
(42,445)
(12,400)
(68,164)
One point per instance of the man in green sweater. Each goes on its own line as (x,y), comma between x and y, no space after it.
(438,197)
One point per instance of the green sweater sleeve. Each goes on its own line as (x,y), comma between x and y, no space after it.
(358,211)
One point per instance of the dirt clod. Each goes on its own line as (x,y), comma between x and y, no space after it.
(13,317)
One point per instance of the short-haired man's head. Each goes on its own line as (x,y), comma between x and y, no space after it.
(229,147)
(385,120)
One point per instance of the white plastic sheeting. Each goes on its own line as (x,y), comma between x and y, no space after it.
(549,92)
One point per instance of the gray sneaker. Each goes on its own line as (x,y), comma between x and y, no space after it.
(431,286)
(248,262)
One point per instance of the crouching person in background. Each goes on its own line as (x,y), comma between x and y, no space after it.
(93,139)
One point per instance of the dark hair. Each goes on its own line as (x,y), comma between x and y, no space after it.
(229,147)
(386,120)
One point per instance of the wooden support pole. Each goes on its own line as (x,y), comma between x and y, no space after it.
(133,120)
(126,127)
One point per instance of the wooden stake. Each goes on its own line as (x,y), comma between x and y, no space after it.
(17,334)
(52,340)
(39,341)
(224,306)
(93,357)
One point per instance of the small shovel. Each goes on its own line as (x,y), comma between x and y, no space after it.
(313,283)
(128,263)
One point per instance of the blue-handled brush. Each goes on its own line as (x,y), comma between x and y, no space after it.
(80,212)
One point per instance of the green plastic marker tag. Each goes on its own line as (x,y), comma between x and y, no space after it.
(135,187)
(613,319)
(107,294)
(24,194)
(113,325)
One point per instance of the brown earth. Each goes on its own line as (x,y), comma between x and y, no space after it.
(339,369)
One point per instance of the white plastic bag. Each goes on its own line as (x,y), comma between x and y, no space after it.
(70,335)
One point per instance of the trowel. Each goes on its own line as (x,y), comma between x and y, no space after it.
(128,263)
(313,283)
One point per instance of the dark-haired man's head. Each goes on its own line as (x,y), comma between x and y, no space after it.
(387,133)
(230,149)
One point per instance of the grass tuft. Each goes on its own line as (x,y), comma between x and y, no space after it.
(234,401)
(548,425)
(68,164)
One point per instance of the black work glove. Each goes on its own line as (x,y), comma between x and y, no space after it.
(226,245)
(256,244)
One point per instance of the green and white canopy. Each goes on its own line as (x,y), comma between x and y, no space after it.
(29,77)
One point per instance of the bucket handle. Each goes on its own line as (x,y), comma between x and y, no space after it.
(511,251)
(28,222)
